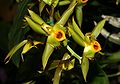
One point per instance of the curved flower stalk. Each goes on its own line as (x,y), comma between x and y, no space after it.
(55,33)
(88,41)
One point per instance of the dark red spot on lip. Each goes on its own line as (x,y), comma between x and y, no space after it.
(59,35)
(95,46)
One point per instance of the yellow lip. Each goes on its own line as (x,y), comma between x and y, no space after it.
(59,35)
(96,46)
(83,1)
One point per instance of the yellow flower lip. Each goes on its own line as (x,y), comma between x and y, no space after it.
(96,46)
(83,1)
(59,35)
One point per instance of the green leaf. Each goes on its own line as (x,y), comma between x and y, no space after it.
(57,75)
(76,37)
(112,58)
(85,67)
(79,14)
(97,75)
(96,31)
(46,54)
(13,50)
(77,29)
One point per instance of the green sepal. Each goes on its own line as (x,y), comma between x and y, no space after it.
(46,54)
(35,27)
(79,14)
(54,64)
(57,74)
(85,67)
(68,64)
(13,50)
(27,47)
(96,31)
(41,6)
(40,21)
(76,37)
(36,18)
(67,13)
(77,29)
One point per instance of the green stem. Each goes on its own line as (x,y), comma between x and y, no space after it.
(74,54)
(113,75)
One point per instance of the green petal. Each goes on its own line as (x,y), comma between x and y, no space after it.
(76,37)
(77,29)
(46,54)
(79,14)
(68,64)
(96,31)
(54,64)
(67,13)
(36,17)
(39,20)
(27,47)
(85,67)
(14,49)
